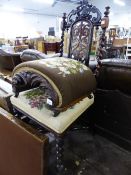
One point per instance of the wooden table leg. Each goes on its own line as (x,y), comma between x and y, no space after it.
(59,155)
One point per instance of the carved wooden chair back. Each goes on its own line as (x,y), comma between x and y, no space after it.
(80,40)
(81,23)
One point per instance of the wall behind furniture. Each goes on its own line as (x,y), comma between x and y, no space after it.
(22,24)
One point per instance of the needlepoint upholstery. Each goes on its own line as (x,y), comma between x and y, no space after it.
(43,115)
(65,81)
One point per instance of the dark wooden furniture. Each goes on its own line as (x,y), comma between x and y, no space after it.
(20,48)
(52,47)
(23,149)
(116,48)
(115,52)
(112,35)
(112,108)
(5,94)
(81,23)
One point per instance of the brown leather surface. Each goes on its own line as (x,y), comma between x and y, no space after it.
(9,61)
(115,74)
(112,107)
(21,151)
(32,54)
(122,63)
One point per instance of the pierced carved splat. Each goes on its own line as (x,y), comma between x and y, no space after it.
(81,35)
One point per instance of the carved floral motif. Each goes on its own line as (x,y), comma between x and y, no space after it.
(81,38)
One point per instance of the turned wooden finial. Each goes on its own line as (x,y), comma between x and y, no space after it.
(63,27)
(107,11)
(105,19)
(102,42)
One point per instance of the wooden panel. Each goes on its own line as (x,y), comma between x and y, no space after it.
(52,47)
(121,42)
(22,150)
(41,46)
(5,93)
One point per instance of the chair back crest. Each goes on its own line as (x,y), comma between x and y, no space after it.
(80,22)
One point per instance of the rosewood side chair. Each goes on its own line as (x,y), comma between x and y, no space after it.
(80,23)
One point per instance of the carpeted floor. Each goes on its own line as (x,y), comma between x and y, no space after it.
(91,155)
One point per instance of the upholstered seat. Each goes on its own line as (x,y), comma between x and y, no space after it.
(9,60)
(45,116)
(32,54)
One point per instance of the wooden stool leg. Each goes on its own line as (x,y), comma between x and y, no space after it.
(59,155)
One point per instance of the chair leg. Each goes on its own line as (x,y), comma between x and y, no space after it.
(59,155)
